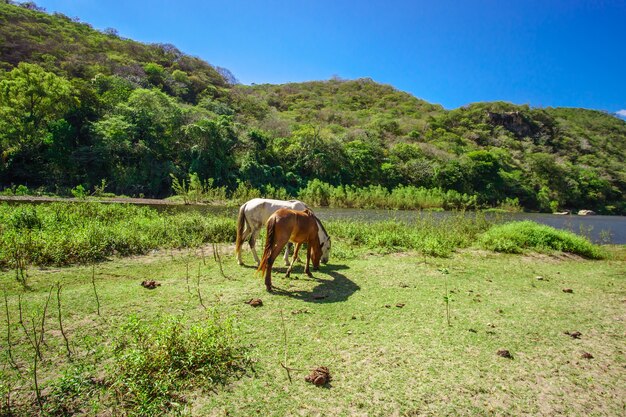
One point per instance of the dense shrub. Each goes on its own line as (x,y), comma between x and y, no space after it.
(516,237)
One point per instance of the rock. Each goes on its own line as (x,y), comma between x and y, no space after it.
(515,122)
(586,212)
(568,290)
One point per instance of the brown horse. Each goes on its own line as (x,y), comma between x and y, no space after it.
(290,225)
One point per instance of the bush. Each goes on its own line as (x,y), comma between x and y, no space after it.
(516,237)
(153,361)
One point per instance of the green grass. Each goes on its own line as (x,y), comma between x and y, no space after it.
(384,359)
(192,346)
(62,233)
(517,237)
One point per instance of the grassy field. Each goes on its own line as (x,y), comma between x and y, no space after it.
(402,333)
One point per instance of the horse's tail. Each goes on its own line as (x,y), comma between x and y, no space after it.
(269,245)
(241,224)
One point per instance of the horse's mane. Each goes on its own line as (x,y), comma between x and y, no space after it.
(321,225)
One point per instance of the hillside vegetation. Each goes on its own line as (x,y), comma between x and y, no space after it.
(79,107)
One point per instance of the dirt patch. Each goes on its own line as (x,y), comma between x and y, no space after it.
(319,376)
(586,355)
(552,258)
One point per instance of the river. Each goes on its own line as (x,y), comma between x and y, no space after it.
(599,229)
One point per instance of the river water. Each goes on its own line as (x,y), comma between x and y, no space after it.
(599,229)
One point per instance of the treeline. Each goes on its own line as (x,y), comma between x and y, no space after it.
(79,107)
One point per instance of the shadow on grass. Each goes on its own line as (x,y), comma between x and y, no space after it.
(334,290)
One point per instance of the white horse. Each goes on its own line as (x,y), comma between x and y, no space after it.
(254,214)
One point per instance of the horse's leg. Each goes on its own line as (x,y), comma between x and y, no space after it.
(278,247)
(308,258)
(293,260)
(244,237)
(289,245)
(253,236)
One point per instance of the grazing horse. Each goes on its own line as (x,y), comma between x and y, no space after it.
(254,214)
(287,225)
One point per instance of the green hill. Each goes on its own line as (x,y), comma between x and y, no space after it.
(78,106)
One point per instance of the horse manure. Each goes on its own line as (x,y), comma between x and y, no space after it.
(255,302)
(387,305)
(400,305)
(586,355)
(319,376)
(303,311)
(150,284)
(568,290)
(472,330)
(504,353)
(574,335)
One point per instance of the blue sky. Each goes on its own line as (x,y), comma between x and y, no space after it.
(452,52)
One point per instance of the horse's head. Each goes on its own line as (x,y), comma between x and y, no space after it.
(325,247)
(324,242)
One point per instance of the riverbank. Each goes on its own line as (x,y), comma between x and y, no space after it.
(401,333)
(59,234)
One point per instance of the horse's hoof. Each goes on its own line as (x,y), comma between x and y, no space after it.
(269,289)
(309,274)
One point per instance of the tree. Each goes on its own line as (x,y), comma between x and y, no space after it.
(30,99)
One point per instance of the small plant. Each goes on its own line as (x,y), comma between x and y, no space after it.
(155,360)
(79,192)
(180,188)
(71,392)
(99,190)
